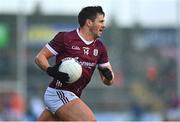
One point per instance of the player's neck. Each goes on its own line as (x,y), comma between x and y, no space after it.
(86,34)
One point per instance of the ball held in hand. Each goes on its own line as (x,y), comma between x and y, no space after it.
(72,67)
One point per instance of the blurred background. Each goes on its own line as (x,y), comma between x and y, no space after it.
(143,41)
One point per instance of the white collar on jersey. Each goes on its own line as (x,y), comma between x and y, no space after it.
(84,40)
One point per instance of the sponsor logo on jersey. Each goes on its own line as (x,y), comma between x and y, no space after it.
(86,50)
(87,64)
(95,52)
(75,47)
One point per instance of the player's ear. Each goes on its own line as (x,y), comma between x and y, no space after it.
(89,22)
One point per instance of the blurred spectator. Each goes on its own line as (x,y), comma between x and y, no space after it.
(137,111)
(12,107)
(29,115)
(17,105)
(173,110)
(37,106)
(151,73)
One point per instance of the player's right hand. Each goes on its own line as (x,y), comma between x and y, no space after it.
(54,72)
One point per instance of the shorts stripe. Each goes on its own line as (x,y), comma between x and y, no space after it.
(62,97)
(65,98)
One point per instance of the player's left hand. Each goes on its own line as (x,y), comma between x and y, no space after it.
(106,72)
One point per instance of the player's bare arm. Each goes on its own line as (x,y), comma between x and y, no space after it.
(107,75)
(42,61)
(42,58)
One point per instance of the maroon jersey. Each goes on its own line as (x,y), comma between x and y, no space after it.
(88,53)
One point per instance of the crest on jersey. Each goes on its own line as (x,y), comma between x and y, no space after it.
(95,52)
(86,50)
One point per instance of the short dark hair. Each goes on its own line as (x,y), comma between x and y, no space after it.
(89,12)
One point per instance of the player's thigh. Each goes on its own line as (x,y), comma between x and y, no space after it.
(46,115)
(75,110)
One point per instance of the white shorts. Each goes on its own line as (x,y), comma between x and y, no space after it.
(55,98)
